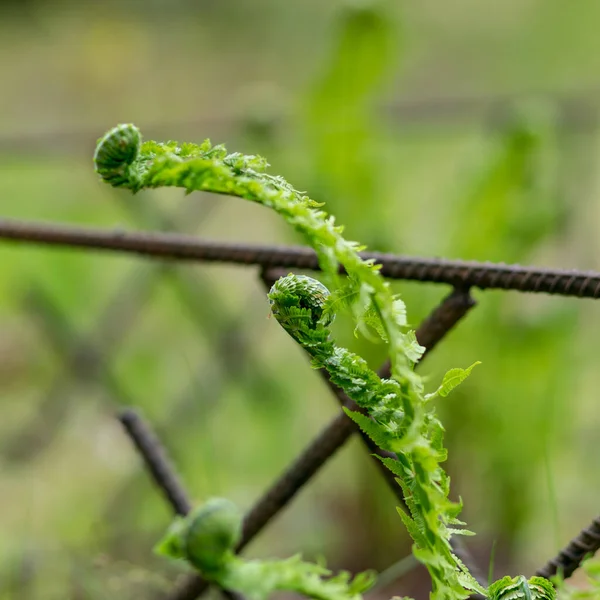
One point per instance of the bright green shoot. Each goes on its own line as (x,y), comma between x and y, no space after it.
(401,416)
(207,538)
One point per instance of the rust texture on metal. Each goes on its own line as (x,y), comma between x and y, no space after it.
(581,284)
(156,460)
(585,544)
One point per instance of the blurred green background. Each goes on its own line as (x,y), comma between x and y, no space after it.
(460,129)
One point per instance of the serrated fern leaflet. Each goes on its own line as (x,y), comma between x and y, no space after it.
(207,537)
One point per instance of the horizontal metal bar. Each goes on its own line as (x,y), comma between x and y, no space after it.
(582,284)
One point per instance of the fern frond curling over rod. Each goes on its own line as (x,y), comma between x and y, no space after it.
(402,418)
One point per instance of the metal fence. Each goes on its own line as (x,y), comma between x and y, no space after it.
(84,357)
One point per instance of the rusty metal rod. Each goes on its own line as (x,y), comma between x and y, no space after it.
(173,246)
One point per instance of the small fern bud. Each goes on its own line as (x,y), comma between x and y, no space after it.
(212,532)
(517,588)
(298,302)
(115,152)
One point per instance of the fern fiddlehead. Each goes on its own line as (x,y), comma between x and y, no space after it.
(207,537)
(519,588)
(116,152)
(302,305)
(402,419)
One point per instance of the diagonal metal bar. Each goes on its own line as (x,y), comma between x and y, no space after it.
(155,458)
(172,246)
(328,441)
(568,560)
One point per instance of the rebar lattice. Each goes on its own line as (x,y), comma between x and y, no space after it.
(460,275)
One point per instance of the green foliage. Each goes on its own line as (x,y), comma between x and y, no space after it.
(452,379)
(344,136)
(517,588)
(207,537)
(512,196)
(402,420)
(420,209)
(397,425)
(510,206)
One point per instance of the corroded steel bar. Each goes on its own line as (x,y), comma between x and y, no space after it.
(330,440)
(586,543)
(173,246)
(156,460)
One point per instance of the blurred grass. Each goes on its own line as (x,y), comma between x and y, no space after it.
(232,397)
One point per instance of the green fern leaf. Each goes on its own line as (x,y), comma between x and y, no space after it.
(372,429)
(452,379)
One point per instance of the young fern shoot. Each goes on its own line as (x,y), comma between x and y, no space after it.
(207,538)
(302,305)
(401,417)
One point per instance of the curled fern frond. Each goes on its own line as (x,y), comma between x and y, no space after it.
(307,295)
(396,425)
(207,537)
(212,534)
(519,588)
(116,152)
